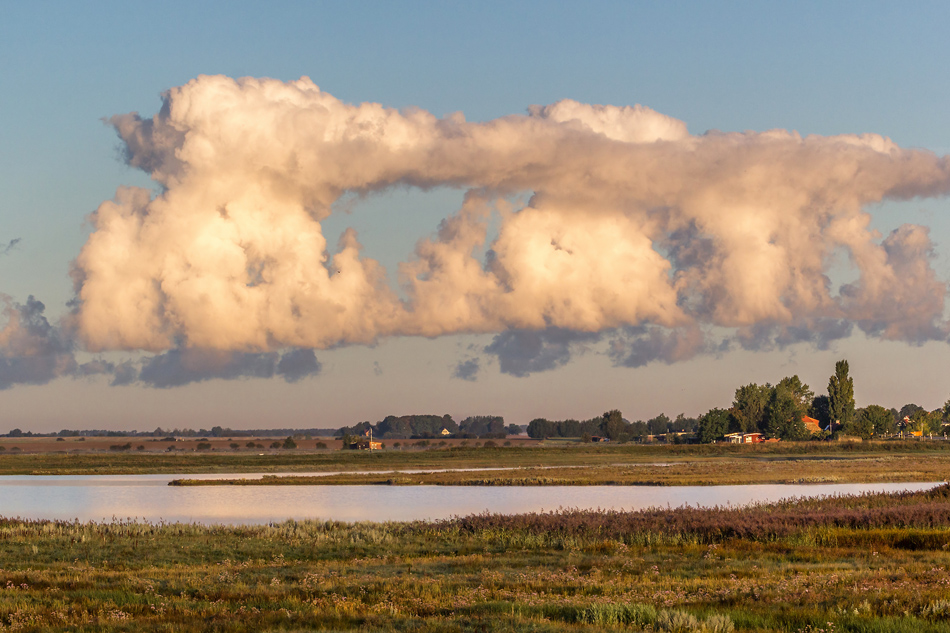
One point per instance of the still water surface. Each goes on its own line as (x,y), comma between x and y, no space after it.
(148,497)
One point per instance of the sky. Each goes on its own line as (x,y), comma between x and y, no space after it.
(311,214)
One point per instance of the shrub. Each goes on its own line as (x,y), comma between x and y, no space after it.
(289,443)
(321,445)
(234,445)
(251,445)
(121,447)
(276,444)
(204,446)
(140,447)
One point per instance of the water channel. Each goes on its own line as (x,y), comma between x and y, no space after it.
(149,498)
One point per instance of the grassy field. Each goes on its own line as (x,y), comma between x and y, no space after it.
(876,563)
(791,461)
(700,471)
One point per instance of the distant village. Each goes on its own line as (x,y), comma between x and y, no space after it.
(786,411)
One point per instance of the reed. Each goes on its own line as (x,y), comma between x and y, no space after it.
(871,563)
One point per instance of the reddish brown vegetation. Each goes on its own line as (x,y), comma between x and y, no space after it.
(929,509)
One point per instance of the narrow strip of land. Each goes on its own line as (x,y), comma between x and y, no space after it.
(721,470)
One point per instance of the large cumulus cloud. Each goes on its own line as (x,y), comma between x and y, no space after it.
(666,243)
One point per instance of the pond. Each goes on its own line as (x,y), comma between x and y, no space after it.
(148,497)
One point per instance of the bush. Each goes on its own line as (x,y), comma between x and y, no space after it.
(490,444)
(140,447)
(289,443)
(235,445)
(321,445)
(250,445)
(204,446)
(276,444)
(121,447)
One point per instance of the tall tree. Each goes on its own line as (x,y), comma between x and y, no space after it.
(820,410)
(783,415)
(801,392)
(881,419)
(841,394)
(713,425)
(613,425)
(659,425)
(748,408)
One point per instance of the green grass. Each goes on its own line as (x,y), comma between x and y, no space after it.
(829,455)
(658,571)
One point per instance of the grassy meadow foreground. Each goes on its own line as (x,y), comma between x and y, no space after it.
(855,564)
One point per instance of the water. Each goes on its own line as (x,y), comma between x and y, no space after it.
(148,497)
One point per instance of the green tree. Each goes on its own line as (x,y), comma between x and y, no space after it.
(514,429)
(841,394)
(659,425)
(908,411)
(862,426)
(748,408)
(881,420)
(801,392)
(614,427)
(783,416)
(713,425)
(569,428)
(934,422)
(540,428)
(821,410)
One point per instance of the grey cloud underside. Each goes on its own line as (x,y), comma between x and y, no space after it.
(467,370)
(521,353)
(33,351)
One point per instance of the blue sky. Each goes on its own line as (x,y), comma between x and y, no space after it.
(818,68)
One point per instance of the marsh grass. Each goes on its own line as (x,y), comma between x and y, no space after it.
(867,564)
(735,469)
(923,458)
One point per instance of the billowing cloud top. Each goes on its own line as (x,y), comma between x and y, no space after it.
(633,224)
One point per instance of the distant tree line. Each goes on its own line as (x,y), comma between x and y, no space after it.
(610,425)
(432,426)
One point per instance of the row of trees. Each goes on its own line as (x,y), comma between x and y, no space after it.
(430,426)
(778,412)
(611,425)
